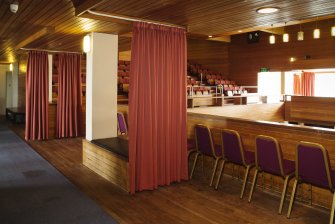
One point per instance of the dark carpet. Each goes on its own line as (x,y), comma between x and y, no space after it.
(33,191)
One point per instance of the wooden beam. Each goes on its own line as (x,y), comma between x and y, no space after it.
(86,5)
(44,31)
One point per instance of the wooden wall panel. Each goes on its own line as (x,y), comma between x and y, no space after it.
(265,112)
(212,55)
(313,110)
(245,59)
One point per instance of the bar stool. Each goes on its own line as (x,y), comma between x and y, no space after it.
(313,167)
(205,147)
(233,152)
(269,159)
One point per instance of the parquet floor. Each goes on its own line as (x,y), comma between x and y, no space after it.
(189,202)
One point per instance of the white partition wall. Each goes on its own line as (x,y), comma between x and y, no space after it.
(101,86)
(50,76)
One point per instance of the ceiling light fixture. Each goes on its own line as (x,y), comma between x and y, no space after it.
(300,35)
(240,31)
(316,31)
(272,38)
(210,36)
(285,36)
(267,10)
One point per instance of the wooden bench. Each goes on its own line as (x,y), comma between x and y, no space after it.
(108,158)
(16,114)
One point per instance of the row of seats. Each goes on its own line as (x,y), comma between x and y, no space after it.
(312,165)
(220,82)
(124,80)
(123,76)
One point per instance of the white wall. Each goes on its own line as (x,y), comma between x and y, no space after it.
(101,87)
(3,69)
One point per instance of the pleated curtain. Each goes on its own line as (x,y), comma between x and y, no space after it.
(307,83)
(69,103)
(296,84)
(37,90)
(157,107)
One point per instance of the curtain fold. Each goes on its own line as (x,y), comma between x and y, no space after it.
(69,111)
(37,90)
(157,107)
(307,83)
(296,84)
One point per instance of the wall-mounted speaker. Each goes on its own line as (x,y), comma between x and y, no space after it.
(253,37)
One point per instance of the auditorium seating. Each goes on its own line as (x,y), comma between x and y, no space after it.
(197,73)
(313,167)
(269,159)
(234,152)
(123,76)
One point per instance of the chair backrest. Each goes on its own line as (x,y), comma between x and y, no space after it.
(269,156)
(312,165)
(204,140)
(232,146)
(121,123)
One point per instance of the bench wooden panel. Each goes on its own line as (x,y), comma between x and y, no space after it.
(106,164)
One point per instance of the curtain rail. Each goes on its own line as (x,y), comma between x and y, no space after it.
(51,51)
(133,19)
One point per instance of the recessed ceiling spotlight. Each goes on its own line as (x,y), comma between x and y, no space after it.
(210,36)
(240,31)
(267,10)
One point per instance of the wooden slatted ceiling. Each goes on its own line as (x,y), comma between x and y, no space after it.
(218,17)
(210,17)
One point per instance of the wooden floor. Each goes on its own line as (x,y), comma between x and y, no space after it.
(189,202)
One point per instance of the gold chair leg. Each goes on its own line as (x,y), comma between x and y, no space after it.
(332,211)
(310,194)
(253,185)
(292,198)
(220,175)
(245,181)
(194,164)
(263,180)
(202,160)
(283,194)
(214,170)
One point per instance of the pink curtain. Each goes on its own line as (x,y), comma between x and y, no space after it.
(157,107)
(69,114)
(37,90)
(296,85)
(307,83)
